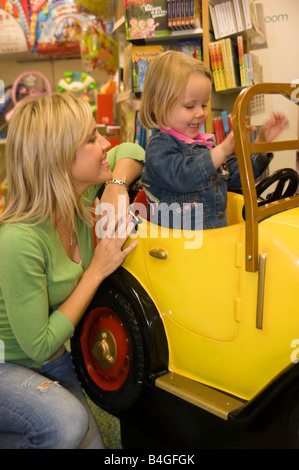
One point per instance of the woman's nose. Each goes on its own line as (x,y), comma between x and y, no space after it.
(105,143)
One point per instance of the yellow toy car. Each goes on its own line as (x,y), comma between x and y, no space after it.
(210,317)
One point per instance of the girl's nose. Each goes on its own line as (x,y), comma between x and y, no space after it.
(199,111)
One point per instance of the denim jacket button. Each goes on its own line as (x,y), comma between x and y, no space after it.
(220,215)
(212,178)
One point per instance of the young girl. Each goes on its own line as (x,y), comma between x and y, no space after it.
(186,177)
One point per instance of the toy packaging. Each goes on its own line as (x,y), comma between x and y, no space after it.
(56,27)
(146,19)
(98,48)
(28,85)
(14,26)
(81,84)
(102,8)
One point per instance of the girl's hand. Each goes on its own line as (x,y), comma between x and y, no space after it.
(229,144)
(274,125)
(223,150)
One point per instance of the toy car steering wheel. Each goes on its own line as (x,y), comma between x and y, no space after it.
(33,83)
(283,176)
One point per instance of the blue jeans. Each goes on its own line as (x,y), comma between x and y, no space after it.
(45,408)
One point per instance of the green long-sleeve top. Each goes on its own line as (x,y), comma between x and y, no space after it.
(36,276)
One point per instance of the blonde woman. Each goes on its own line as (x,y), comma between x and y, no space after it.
(183,166)
(49,270)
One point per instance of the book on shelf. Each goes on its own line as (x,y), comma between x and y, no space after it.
(246,12)
(253,69)
(140,136)
(239,15)
(184,14)
(232,66)
(143,55)
(222,126)
(224,64)
(241,60)
(146,19)
(233,16)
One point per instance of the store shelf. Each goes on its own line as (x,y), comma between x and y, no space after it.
(28,56)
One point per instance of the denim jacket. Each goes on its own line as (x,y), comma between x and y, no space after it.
(183,175)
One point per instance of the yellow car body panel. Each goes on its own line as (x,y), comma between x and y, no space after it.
(208,301)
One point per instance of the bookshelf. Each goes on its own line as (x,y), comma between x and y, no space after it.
(235,17)
(207,31)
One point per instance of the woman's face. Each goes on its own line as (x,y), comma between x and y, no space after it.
(90,165)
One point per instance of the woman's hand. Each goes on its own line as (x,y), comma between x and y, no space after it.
(107,257)
(109,254)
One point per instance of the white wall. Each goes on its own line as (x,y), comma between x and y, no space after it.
(281,64)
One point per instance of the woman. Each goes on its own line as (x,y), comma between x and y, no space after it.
(49,270)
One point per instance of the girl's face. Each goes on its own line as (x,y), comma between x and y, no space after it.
(90,165)
(190,111)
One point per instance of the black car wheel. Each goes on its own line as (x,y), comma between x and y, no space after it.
(108,352)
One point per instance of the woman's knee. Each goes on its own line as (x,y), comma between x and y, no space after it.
(67,418)
(38,412)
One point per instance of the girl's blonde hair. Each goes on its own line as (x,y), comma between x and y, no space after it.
(165,80)
(43,135)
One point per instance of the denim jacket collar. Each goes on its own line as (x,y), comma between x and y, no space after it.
(201,138)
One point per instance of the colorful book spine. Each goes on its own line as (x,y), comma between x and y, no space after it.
(221,70)
(169,13)
(241,60)
(222,126)
(225,62)
(218,130)
(213,61)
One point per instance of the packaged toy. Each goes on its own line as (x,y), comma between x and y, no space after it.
(81,84)
(14,26)
(28,85)
(102,8)
(98,48)
(56,27)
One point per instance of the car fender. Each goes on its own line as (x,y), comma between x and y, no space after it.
(148,317)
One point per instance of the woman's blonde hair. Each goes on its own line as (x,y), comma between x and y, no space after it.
(165,80)
(43,135)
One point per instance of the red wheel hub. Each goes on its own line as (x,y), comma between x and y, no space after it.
(106,348)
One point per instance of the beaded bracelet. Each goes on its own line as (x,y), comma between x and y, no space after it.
(116,181)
